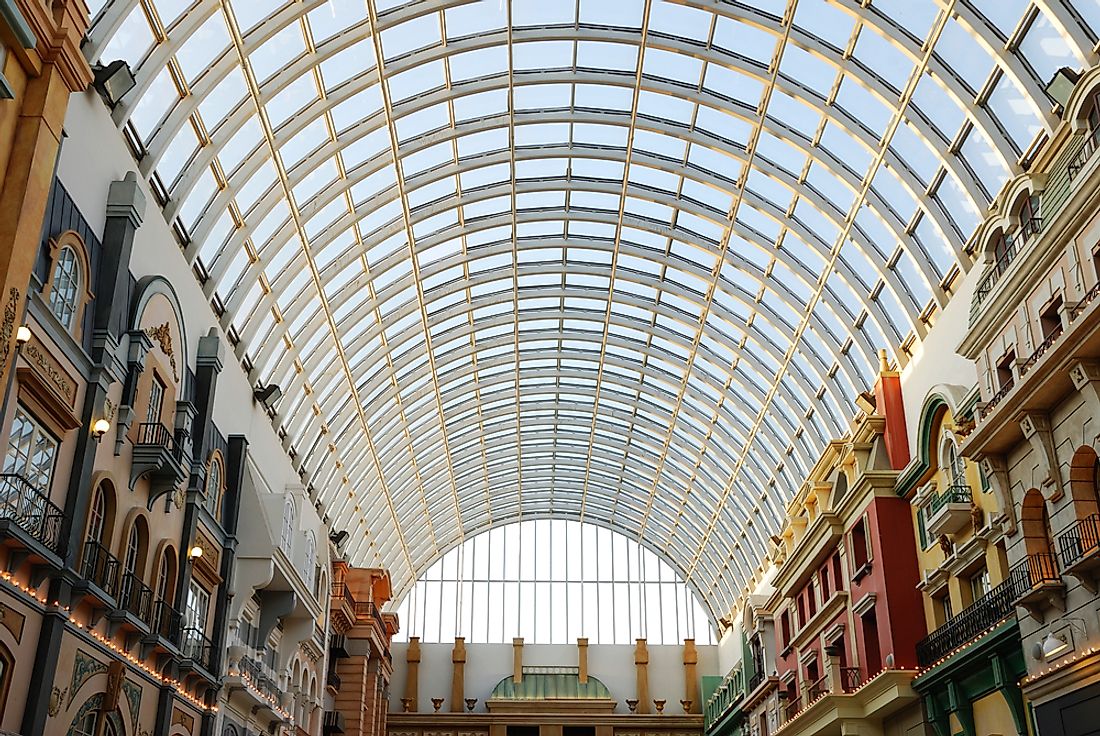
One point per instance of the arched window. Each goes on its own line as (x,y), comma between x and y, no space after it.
(286,537)
(97,515)
(552,581)
(7,664)
(952,462)
(213,490)
(130,565)
(1028,214)
(1035,524)
(309,564)
(166,575)
(65,288)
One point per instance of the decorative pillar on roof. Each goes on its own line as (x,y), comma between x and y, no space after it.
(641,664)
(691,676)
(517,660)
(888,404)
(458,674)
(582,660)
(412,673)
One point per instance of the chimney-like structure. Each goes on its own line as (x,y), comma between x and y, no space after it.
(412,673)
(888,404)
(691,676)
(458,674)
(582,660)
(641,664)
(517,660)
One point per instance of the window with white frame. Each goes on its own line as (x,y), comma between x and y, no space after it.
(286,537)
(309,564)
(65,290)
(32,451)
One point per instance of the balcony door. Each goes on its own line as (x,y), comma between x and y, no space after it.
(156,401)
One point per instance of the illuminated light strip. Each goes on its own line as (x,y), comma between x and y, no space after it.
(122,654)
(1027,680)
(962,647)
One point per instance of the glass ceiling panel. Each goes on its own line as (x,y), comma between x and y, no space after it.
(574,257)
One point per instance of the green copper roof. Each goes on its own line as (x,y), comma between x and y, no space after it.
(550,683)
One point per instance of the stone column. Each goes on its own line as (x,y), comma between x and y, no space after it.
(582,660)
(836,682)
(691,675)
(641,664)
(458,674)
(517,660)
(50,67)
(412,672)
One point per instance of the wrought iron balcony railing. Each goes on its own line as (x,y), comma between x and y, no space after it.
(957,492)
(755,680)
(990,405)
(136,598)
(850,679)
(155,434)
(977,618)
(1092,141)
(31,510)
(195,645)
(101,567)
(1080,541)
(817,689)
(166,621)
(341,592)
(1041,350)
(792,709)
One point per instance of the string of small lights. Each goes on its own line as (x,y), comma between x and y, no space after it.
(118,651)
(1061,664)
(962,647)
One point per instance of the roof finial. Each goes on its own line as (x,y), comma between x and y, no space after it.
(883,363)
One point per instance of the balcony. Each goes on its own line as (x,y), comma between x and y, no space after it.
(367,611)
(165,623)
(949,512)
(135,602)
(28,517)
(970,623)
(1041,350)
(259,676)
(1079,547)
(197,648)
(850,679)
(158,457)
(1037,584)
(333,722)
(1029,229)
(792,709)
(725,698)
(100,570)
(818,688)
(342,603)
(1081,158)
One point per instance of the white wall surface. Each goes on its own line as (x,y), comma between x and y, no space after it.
(936,360)
(488,664)
(92,156)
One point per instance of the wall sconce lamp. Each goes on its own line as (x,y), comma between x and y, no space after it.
(1061,85)
(113,81)
(268,395)
(22,336)
(100,427)
(1055,644)
(195,552)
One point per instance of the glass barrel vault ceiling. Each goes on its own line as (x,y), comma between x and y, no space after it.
(624,261)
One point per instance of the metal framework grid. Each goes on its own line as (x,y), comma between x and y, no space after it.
(625,262)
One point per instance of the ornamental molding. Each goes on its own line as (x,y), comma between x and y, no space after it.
(162,335)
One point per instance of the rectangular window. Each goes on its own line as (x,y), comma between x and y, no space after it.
(861,552)
(32,452)
(979,584)
(1050,321)
(1005,376)
(198,602)
(156,401)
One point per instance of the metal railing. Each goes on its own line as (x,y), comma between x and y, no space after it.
(817,689)
(136,598)
(1092,141)
(989,610)
(166,621)
(1000,265)
(1044,346)
(957,492)
(850,679)
(1080,540)
(341,592)
(728,694)
(1087,299)
(792,709)
(755,680)
(992,403)
(31,510)
(101,567)
(195,645)
(366,609)
(157,435)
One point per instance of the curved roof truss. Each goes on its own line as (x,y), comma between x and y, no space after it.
(621,262)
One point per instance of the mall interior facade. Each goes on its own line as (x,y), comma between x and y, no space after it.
(633,368)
